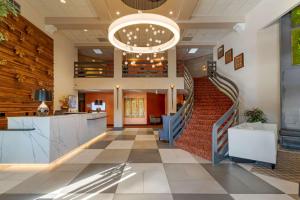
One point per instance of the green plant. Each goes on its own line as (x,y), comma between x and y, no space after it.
(255,115)
(6,8)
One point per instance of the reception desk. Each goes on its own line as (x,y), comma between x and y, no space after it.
(42,140)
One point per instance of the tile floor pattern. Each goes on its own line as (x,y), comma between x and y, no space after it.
(290,171)
(133,165)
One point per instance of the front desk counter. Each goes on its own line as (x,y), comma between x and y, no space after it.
(41,140)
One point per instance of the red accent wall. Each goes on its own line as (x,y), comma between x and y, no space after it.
(155,105)
(107,97)
(180,98)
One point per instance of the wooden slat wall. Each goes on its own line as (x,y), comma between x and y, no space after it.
(26,64)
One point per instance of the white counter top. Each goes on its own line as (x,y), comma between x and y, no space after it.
(36,139)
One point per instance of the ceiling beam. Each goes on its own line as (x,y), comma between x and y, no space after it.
(102,9)
(187,9)
(93,23)
(180,44)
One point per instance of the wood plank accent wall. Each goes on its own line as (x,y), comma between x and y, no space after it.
(26,64)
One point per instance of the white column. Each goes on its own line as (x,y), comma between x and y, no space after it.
(172,74)
(118,107)
(172,100)
(117,64)
(172,64)
(118,93)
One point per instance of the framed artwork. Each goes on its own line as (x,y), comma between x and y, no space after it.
(296,46)
(239,61)
(220,51)
(229,56)
(72,101)
(295,17)
(134,108)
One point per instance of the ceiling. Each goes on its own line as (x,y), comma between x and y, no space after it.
(202,22)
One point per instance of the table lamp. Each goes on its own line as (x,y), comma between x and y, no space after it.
(43,95)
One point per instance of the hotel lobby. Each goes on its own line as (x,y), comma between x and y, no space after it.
(149,99)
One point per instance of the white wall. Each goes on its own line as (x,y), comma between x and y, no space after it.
(259,80)
(64,54)
(194,65)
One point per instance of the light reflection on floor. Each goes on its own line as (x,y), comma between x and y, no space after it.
(92,185)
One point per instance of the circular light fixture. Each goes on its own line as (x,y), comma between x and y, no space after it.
(142,19)
(144,4)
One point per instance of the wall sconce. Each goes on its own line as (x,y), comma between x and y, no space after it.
(117,87)
(204,68)
(172,86)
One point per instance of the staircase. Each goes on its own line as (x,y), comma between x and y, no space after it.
(211,108)
(210,104)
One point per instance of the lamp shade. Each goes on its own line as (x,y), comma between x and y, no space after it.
(43,95)
(98,102)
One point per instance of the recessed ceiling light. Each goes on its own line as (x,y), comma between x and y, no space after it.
(193,50)
(97,51)
(171,12)
(118,13)
(85,30)
(63,1)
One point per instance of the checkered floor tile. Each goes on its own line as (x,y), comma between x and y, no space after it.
(131,165)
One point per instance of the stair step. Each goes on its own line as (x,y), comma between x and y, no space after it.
(209,105)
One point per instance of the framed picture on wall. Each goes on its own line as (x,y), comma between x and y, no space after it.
(72,101)
(229,56)
(239,61)
(220,51)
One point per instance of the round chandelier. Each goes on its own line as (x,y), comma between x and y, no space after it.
(144,33)
(144,4)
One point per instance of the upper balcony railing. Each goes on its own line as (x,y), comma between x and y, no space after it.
(103,69)
(140,69)
(145,69)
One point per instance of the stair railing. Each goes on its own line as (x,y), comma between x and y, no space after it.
(179,121)
(229,119)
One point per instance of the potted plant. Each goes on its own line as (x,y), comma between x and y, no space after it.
(255,115)
(6,7)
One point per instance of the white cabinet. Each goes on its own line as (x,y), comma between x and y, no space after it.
(254,141)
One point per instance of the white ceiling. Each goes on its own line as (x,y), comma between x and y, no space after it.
(73,8)
(224,7)
(79,36)
(183,53)
(206,21)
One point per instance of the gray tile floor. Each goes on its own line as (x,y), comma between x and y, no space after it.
(132,165)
